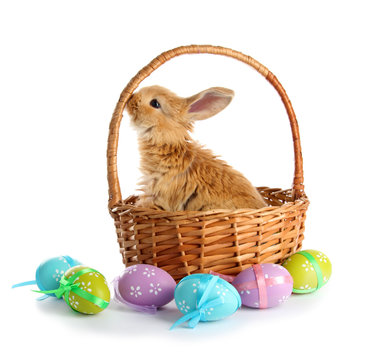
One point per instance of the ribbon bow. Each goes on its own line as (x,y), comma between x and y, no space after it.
(67,285)
(64,288)
(197,315)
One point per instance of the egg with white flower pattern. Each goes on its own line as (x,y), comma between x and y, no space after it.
(310,270)
(91,294)
(49,272)
(204,297)
(144,287)
(263,285)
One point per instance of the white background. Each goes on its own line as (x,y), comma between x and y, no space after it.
(63,66)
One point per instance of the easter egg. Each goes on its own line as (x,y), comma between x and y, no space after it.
(144,287)
(205,297)
(263,285)
(49,272)
(87,291)
(310,270)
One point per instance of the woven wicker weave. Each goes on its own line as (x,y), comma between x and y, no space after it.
(224,241)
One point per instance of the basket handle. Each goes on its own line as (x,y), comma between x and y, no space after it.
(113,181)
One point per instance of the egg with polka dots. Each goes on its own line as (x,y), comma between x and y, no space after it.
(263,285)
(310,269)
(91,282)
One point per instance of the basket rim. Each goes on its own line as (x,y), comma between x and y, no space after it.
(128,204)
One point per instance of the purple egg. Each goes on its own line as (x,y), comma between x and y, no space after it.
(145,287)
(264,285)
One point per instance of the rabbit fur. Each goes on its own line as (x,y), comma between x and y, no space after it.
(178,173)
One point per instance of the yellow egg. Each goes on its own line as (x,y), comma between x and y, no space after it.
(92,295)
(310,270)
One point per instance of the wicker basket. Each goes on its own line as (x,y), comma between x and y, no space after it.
(225,241)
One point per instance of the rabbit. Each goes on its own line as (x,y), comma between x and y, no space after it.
(178,173)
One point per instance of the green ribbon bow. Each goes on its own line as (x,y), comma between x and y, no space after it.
(67,285)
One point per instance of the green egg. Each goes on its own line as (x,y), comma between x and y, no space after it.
(92,295)
(310,270)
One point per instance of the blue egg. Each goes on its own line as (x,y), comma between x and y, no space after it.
(205,297)
(49,273)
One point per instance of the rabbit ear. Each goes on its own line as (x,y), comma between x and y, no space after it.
(208,103)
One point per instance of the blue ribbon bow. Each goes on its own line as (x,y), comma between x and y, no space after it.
(198,314)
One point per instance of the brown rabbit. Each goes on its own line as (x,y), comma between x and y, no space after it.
(178,173)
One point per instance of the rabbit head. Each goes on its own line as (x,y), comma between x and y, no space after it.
(161,116)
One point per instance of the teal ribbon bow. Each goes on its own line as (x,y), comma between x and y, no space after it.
(197,315)
(67,285)
(25,283)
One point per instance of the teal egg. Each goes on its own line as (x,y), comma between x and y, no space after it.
(205,297)
(49,273)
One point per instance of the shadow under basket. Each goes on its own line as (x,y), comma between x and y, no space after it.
(221,240)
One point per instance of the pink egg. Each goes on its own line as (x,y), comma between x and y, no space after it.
(145,287)
(264,285)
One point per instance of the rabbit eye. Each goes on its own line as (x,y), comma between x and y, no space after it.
(154,103)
